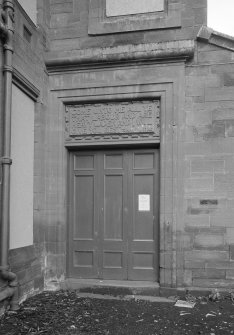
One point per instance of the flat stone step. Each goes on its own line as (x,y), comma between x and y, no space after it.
(112,287)
(126,298)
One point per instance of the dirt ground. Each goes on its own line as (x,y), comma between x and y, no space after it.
(67,313)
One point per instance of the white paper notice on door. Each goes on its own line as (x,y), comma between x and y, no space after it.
(143,202)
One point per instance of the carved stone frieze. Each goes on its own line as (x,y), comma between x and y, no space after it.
(112,121)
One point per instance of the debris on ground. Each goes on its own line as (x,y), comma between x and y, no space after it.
(215,295)
(186,304)
(67,313)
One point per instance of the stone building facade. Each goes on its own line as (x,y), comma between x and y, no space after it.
(133,144)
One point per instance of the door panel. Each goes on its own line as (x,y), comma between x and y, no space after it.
(143,207)
(83,243)
(113,207)
(114,214)
(114,246)
(143,229)
(84,209)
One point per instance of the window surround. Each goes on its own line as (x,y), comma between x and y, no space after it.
(100,24)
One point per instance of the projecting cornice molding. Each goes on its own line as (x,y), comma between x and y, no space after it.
(166,51)
(214,37)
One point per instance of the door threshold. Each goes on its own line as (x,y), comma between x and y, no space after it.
(111,287)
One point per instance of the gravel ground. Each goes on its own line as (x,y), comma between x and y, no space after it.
(67,313)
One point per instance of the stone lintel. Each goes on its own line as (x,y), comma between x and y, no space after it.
(166,51)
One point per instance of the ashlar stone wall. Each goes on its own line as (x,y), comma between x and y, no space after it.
(209,166)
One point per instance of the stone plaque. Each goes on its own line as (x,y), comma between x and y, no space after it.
(129,7)
(112,120)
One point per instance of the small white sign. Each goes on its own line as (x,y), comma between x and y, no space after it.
(144,202)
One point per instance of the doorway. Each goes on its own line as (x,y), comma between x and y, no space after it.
(114,214)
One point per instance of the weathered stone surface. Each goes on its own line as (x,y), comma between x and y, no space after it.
(206,255)
(128,52)
(209,241)
(213,283)
(209,273)
(126,119)
(231,251)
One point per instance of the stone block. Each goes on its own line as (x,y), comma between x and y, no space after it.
(206,255)
(197,221)
(21,275)
(195,91)
(39,283)
(59,20)
(180,259)
(64,33)
(230,236)
(224,182)
(197,71)
(56,264)
(166,260)
(184,241)
(136,38)
(209,241)
(28,273)
(205,133)
(56,1)
(224,220)
(222,113)
(205,205)
(64,7)
(209,273)
(187,278)
(229,128)
(207,165)
(199,4)
(21,256)
(225,265)
(219,94)
(187,21)
(231,248)
(197,118)
(55,233)
(213,56)
(165,277)
(230,274)
(213,283)
(26,289)
(195,264)
(205,183)
(212,81)
(55,248)
(200,15)
(228,79)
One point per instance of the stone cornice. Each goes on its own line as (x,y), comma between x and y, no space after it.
(214,37)
(166,51)
(25,85)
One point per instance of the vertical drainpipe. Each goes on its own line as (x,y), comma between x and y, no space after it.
(7,31)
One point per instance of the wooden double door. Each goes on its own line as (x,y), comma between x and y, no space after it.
(113,220)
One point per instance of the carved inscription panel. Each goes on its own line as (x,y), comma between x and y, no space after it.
(131,118)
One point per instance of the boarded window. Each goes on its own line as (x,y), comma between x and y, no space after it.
(22,153)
